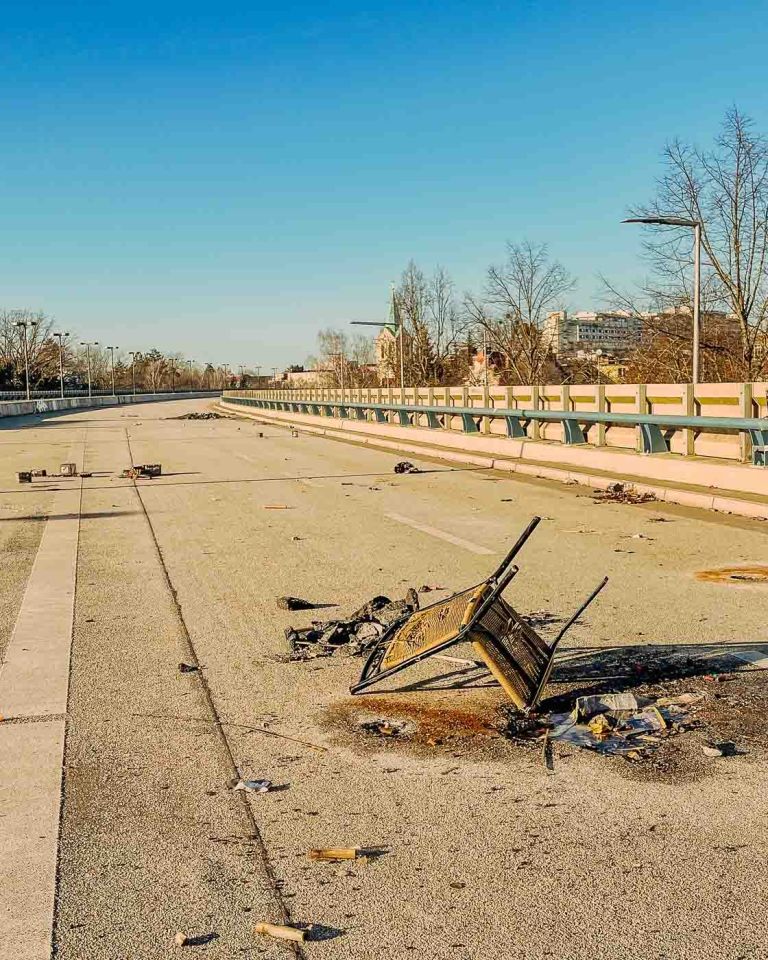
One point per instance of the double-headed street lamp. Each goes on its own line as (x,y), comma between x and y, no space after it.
(112,355)
(133,354)
(23,324)
(60,338)
(190,362)
(695,225)
(88,344)
(400,333)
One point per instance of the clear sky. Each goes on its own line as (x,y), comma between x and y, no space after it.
(225,179)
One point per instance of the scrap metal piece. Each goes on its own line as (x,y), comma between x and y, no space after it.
(24,476)
(519,659)
(68,470)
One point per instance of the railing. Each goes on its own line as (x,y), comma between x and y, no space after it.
(56,394)
(653,432)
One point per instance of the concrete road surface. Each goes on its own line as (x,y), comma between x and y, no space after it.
(118,822)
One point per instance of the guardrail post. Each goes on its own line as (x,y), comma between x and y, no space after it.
(600,401)
(689,436)
(641,400)
(747,404)
(535,405)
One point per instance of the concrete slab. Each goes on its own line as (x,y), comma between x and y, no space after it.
(30,795)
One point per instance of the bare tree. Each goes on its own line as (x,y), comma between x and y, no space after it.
(726,190)
(41,347)
(516,300)
(429,313)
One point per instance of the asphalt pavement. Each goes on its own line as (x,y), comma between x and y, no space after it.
(479,850)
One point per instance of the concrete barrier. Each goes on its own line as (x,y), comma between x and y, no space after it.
(25,408)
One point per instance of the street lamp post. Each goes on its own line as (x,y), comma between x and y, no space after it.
(24,324)
(225,368)
(88,344)
(60,338)
(173,376)
(190,362)
(695,225)
(132,355)
(400,335)
(112,357)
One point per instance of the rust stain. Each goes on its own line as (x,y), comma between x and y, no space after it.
(424,722)
(753,574)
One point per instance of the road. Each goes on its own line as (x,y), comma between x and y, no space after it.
(108,585)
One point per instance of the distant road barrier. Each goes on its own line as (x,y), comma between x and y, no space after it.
(21,408)
(731,437)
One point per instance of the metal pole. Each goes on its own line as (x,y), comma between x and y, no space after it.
(26,359)
(485,356)
(696,301)
(88,352)
(61,361)
(112,355)
(133,370)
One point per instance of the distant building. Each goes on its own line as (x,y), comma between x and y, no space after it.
(386,343)
(585,332)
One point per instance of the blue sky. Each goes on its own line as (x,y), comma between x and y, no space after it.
(225,179)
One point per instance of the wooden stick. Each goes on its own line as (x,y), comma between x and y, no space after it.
(281,932)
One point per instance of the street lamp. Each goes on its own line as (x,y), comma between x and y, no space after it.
(190,362)
(112,356)
(133,354)
(24,324)
(60,338)
(173,375)
(88,344)
(225,368)
(695,225)
(400,332)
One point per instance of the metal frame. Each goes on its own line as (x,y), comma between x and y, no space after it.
(484,596)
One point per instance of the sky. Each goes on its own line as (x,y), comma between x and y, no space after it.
(223,180)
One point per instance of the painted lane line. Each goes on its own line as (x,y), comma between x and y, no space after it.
(442,535)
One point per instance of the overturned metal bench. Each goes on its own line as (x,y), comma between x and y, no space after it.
(514,653)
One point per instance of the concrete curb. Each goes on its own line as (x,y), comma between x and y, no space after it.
(704,500)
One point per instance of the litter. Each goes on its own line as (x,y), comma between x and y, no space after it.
(39,473)
(276,506)
(144,471)
(295,603)
(334,853)
(187,668)
(200,416)
(519,659)
(68,470)
(253,786)
(725,749)
(619,704)
(355,635)
(281,932)
(405,466)
(621,493)
(181,940)
(24,476)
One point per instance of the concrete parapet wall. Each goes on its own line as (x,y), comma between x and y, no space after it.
(22,408)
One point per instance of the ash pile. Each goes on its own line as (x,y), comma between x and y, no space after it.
(354,635)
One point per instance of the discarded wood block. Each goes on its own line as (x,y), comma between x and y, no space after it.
(334,853)
(281,932)
(24,476)
(68,470)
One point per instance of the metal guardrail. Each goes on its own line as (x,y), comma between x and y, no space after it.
(12,395)
(654,429)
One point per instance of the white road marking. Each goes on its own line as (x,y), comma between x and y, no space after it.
(34,682)
(442,535)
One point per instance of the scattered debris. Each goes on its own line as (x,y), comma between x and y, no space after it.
(383,728)
(68,470)
(253,786)
(201,416)
(621,493)
(405,466)
(276,506)
(39,473)
(356,634)
(334,853)
(24,476)
(188,668)
(725,749)
(86,475)
(144,471)
(181,940)
(296,603)
(281,932)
